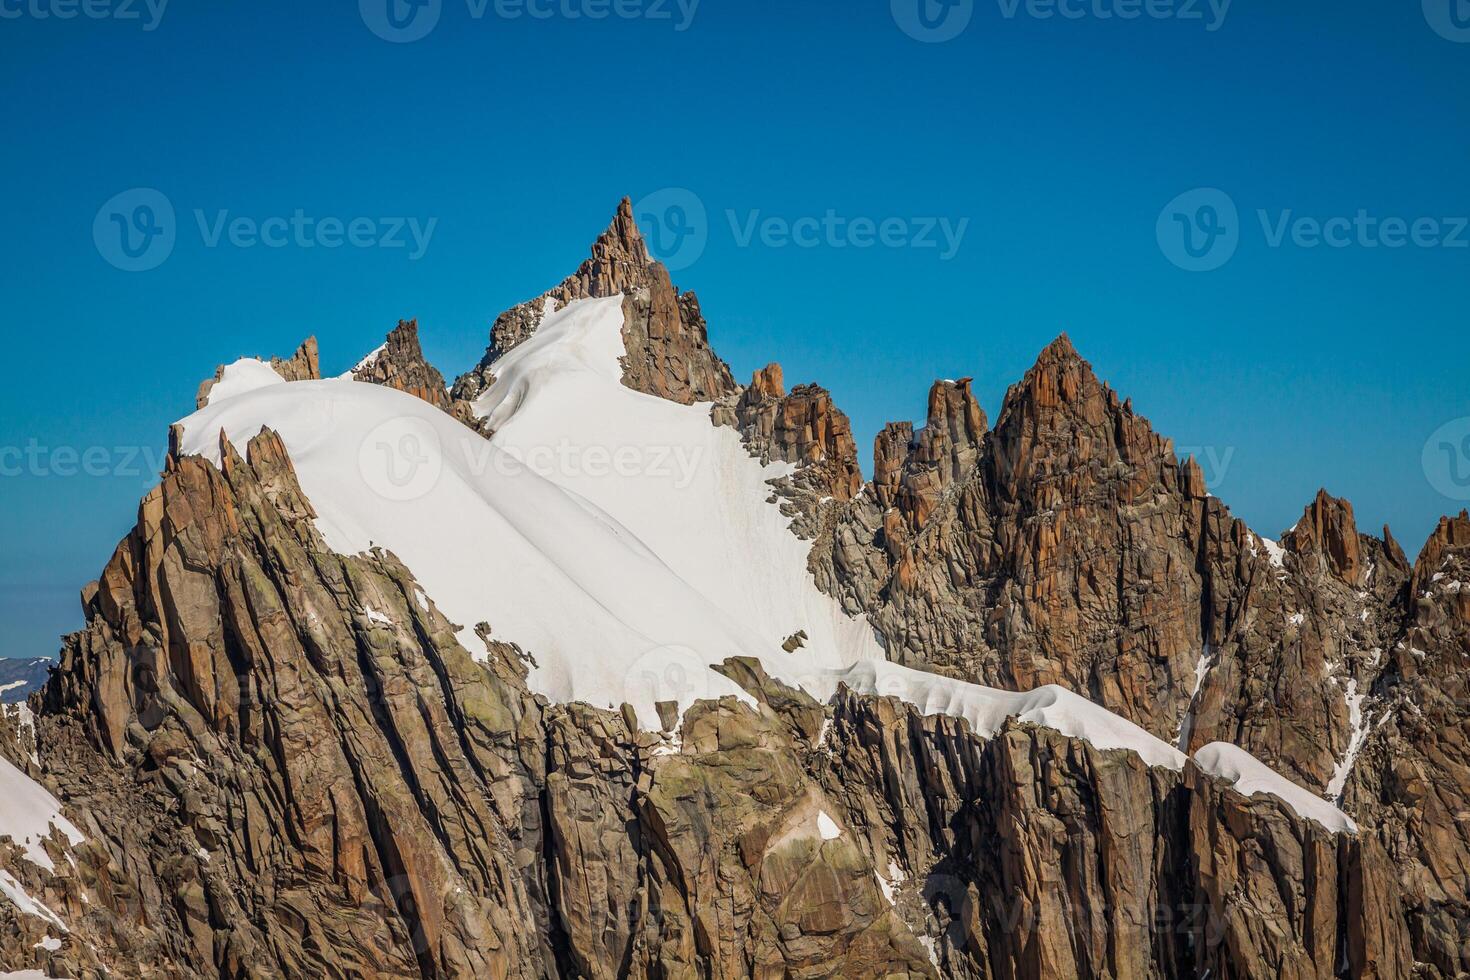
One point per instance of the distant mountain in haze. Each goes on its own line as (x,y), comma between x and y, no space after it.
(19,677)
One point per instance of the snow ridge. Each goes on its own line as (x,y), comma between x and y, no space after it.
(622,540)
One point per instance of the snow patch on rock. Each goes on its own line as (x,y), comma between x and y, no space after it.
(1251,777)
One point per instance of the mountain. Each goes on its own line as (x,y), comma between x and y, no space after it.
(597,663)
(18,677)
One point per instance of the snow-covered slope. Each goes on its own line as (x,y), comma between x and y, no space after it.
(986,709)
(1251,777)
(242,377)
(28,812)
(624,541)
(685,487)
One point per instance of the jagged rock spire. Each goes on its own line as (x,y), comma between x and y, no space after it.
(1328,532)
(804,427)
(401,364)
(664,332)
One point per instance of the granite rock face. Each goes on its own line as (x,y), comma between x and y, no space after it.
(283,763)
(400,364)
(803,428)
(1069,545)
(1411,784)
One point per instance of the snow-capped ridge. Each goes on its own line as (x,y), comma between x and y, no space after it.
(1251,777)
(621,539)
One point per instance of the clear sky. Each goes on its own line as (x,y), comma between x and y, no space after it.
(1052,139)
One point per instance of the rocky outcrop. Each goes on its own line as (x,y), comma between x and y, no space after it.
(1052,549)
(1069,545)
(664,333)
(1411,784)
(1326,539)
(285,765)
(802,427)
(911,472)
(1035,856)
(304,365)
(400,364)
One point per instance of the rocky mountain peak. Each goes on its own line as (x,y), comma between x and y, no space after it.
(664,332)
(803,427)
(1061,429)
(303,365)
(768,382)
(1060,378)
(401,364)
(911,470)
(1449,537)
(1328,533)
(620,261)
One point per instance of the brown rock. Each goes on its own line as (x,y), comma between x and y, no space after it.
(304,365)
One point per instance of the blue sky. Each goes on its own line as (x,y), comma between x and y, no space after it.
(1059,145)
